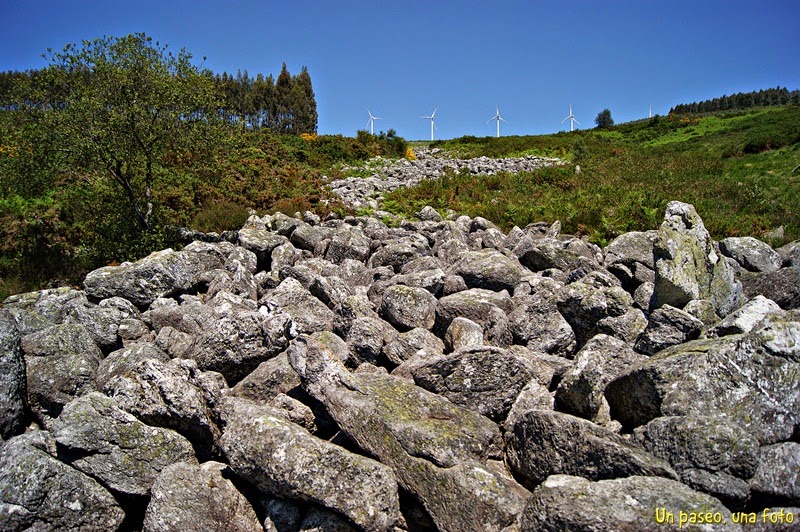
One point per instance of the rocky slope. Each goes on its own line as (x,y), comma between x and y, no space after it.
(386,175)
(308,375)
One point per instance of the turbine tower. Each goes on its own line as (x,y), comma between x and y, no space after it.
(433,125)
(498,118)
(371,122)
(571,119)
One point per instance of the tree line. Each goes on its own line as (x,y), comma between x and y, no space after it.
(740,100)
(285,105)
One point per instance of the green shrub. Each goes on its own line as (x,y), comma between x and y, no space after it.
(219,217)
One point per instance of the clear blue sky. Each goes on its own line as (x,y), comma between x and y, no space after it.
(402,59)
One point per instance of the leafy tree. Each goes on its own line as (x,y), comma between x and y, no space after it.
(304,107)
(124,103)
(604,119)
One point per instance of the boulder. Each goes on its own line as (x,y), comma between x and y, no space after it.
(540,254)
(60,363)
(98,438)
(782,286)
(366,338)
(437,449)
(409,343)
(462,334)
(174,395)
(198,498)
(280,458)
(584,303)
(565,502)
(537,323)
(407,307)
(484,307)
(308,313)
(687,265)
(488,269)
(543,443)
(160,274)
(123,360)
(778,473)
(484,379)
(734,376)
(746,317)
(751,254)
(12,378)
(261,243)
(38,492)
(667,326)
(272,377)
(581,389)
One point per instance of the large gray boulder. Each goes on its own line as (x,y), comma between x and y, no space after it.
(438,450)
(198,498)
(736,376)
(667,326)
(280,458)
(12,378)
(38,492)
(489,269)
(484,379)
(778,472)
(484,307)
(61,362)
(536,322)
(581,389)
(565,502)
(687,265)
(630,258)
(408,307)
(124,360)
(160,274)
(174,395)
(542,443)
(232,336)
(782,286)
(710,454)
(751,254)
(585,303)
(539,254)
(746,317)
(308,313)
(98,438)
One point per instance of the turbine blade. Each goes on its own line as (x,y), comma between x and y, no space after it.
(567,118)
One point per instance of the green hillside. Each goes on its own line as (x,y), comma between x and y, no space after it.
(735,167)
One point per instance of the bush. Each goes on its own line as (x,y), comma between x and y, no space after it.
(219,217)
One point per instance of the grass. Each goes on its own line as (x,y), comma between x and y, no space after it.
(734,168)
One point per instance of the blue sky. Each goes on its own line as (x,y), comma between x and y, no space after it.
(403,59)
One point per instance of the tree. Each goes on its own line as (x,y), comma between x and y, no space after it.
(124,103)
(304,106)
(604,119)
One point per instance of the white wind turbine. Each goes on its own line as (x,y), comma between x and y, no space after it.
(433,125)
(571,119)
(498,118)
(371,122)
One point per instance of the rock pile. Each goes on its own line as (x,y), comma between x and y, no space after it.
(441,375)
(387,175)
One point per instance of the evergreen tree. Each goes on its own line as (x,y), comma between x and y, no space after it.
(304,106)
(282,121)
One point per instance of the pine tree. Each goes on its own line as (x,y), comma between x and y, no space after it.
(304,106)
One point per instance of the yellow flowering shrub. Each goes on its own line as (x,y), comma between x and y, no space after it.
(410,154)
(310,137)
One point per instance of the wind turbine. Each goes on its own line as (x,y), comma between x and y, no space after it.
(433,125)
(498,118)
(371,122)
(571,119)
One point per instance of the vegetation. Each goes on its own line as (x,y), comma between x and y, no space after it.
(118,139)
(740,100)
(736,168)
(603,119)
